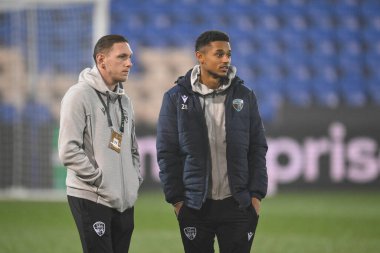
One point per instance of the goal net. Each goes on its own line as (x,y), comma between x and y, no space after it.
(44,44)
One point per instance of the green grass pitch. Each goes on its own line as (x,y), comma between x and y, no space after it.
(289,223)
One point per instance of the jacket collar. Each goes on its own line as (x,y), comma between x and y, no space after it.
(185,81)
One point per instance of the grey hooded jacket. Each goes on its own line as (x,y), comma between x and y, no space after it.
(94,171)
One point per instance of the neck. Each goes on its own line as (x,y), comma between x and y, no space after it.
(212,82)
(111,85)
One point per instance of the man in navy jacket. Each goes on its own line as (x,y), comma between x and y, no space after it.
(211,150)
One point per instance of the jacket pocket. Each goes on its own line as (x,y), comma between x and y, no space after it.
(180,212)
(253,210)
(88,144)
(109,188)
(93,179)
(98,182)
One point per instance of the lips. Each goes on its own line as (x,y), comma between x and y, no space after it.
(224,68)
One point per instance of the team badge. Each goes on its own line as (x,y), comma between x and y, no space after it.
(250,234)
(190,232)
(238,104)
(99,227)
(184,98)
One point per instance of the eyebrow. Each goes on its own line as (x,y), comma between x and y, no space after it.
(222,51)
(125,55)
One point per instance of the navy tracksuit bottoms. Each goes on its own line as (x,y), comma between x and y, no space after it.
(102,229)
(233,227)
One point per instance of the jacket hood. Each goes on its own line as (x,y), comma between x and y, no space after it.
(186,80)
(93,77)
(202,89)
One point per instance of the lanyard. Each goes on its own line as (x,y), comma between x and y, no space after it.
(106,107)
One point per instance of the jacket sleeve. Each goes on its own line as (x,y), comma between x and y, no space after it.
(168,154)
(73,120)
(135,152)
(257,153)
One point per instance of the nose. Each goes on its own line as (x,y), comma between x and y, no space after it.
(226,58)
(129,63)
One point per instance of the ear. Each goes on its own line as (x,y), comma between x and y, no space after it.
(200,57)
(100,60)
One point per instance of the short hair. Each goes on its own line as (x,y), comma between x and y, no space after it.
(106,42)
(210,36)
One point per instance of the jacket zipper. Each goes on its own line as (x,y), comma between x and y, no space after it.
(122,168)
(217,172)
(121,162)
(205,132)
(93,150)
(227,115)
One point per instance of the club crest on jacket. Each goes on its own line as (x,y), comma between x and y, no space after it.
(238,104)
(190,232)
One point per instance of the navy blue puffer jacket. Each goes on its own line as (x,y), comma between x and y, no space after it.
(183,147)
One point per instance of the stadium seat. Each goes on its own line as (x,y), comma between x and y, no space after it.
(298,84)
(5,28)
(353,89)
(272,37)
(8,114)
(325,83)
(374,90)
(9,118)
(268,109)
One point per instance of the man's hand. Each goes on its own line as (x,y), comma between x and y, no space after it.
(256,204)
(177,207)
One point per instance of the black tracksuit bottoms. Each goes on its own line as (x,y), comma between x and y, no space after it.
(102,229)
(233,227)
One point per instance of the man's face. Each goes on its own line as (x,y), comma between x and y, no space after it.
(117,62)
(215,58)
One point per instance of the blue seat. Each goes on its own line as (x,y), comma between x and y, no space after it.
(298,91)
(353,71)
(351,43)
(322,15)
(372,61)
(373,86)
(5,28)
(370,9)
(246,20)
(36,114)
(372,42)
(325,83)
(271,44)
(352,87)
(8,114)
(299,82)
(297,44)
(272,78)
(268,108)
(349,16)
(245,48)
(296,19)
(324,42)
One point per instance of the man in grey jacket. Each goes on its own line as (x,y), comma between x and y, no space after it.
(97,144)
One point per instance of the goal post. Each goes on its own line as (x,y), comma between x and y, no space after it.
(44,44)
